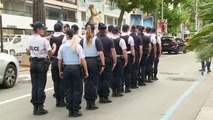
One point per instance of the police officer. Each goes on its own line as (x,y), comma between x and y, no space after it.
(138,56)
(110,63)
(93,48)
(76,30)
(58,38)
(72,55)
(146,53)
(152,55)
(109,34)
(158,53)
(66,27)
(39,50)
(122,60)
(131,56)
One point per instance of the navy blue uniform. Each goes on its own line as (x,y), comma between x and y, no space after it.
(118,71)
(135,67)
(106,76)
(39,48)
(128,68)
(91,53)
(72,75)
(143,64)
(57,81)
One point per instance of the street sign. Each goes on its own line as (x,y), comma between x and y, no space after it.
(162,26)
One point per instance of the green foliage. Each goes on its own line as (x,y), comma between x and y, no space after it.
(202,42)
(145,5)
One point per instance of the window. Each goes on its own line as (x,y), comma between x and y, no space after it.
(69,15)
(71,1)
(17,40)
(83,16)
(53,13)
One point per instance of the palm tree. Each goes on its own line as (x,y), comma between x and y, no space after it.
(38,11)
(202,42)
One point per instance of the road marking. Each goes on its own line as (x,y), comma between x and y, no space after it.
(174,107)
(21,97)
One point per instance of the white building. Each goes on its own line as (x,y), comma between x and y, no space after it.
(17,14)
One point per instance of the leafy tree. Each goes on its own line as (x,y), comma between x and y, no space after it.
(202,42)
(129,5)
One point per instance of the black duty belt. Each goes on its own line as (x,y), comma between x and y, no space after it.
(92,57)
(37,59)
(74,65)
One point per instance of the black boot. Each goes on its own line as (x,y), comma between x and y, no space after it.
(88,107)
(127,90)
(35,108)
(57,102)
(62,103)
(93,106)
(41,110)
(116,94)
(104,100)
(75,113)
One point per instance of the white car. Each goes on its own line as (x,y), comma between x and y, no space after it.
(17,45)
(9,67)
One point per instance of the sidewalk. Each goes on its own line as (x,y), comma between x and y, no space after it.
(206,112)
(24,68)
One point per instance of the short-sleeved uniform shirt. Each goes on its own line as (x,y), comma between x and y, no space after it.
(137,41)
(95,46)
(130,39)
(152,39)
(70,56)
(146,42)
(107,43)
(122,43)
(39,46)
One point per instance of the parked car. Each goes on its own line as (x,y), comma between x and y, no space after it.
(17,45)
(173,44)
(8,70)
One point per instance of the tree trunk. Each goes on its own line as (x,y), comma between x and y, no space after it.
(120,19)
(39,11)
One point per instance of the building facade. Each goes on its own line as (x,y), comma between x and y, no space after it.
(17,14)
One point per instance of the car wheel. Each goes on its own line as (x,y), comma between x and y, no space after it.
(177,51)
(169,52)
(184,51)
(12,52)
(10,76)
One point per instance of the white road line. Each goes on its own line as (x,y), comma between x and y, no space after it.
(21,97)
(48,89)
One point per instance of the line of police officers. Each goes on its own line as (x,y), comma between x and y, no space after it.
(122,58)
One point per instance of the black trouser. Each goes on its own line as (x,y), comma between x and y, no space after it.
(150,63)
(91,83)
(38,74)
(117,74)
(206,63)
(127,72)
(105,78)
(57,81)
(156,67)
(142,69)
(73,87)
(135,68)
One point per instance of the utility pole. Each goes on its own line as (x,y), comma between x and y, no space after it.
(1,31)
(196,15)
(162,10)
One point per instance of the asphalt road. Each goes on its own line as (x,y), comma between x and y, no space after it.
(178,95)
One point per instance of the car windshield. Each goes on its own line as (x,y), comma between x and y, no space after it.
(167,39)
